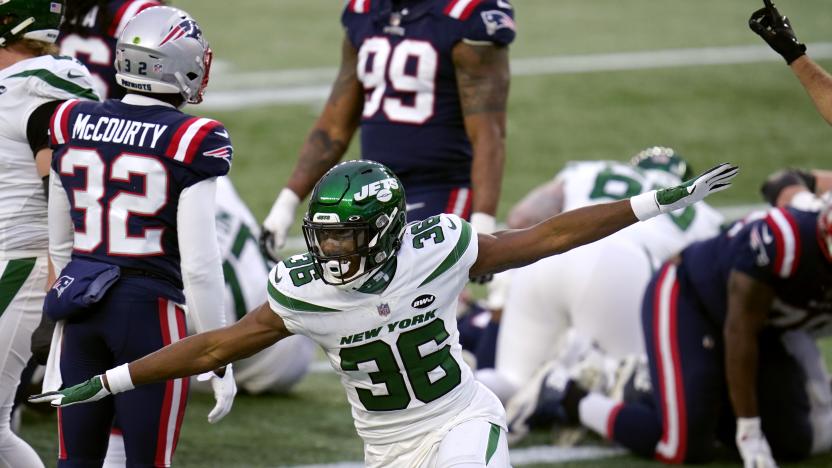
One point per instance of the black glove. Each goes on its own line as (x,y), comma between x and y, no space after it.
(42,340)
(776,182)
(776,30)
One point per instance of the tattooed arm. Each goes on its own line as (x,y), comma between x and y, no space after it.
(330,136)
(482,74)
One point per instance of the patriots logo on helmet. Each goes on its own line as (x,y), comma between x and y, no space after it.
(495,20)
(62,283)
(187,28)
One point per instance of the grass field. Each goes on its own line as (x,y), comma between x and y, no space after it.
(754,114)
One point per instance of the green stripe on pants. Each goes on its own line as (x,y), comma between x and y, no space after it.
(14,275)
(493,438)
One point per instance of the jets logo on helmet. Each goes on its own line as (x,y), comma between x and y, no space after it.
(355,221)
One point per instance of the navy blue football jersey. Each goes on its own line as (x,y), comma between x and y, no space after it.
(412,120)
(780,248)
(124,167)
(94,42)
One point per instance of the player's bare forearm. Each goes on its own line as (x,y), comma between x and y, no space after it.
(818,84)
(558,234)
(330,136)
(211,350)
(483,78)
(748,304)
(823,181)
(542,202)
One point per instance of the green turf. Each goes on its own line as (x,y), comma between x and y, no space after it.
(756,115)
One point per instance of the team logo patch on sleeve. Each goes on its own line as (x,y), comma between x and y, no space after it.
(62,283)
(495,20)
(223,152)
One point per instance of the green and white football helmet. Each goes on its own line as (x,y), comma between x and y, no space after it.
(30,19)
(663,159)
(355,220)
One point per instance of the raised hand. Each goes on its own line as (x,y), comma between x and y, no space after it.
(777,31)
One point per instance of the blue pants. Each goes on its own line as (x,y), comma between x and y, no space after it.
(691,408)
(426,202)
(130,322)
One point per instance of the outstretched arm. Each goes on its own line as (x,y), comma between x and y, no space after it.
(207,351)
(193,355)
(515,248)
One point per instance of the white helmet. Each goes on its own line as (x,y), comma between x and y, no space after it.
(162,50)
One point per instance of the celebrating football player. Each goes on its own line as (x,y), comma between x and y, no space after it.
(427,83)
(380,296)
(777,31)
(131,224)
(33,82)
(90,32)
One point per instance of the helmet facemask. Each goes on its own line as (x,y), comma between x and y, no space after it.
(355,222)
(345,251)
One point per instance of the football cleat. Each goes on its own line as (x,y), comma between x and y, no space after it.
(631,382)
(539,404)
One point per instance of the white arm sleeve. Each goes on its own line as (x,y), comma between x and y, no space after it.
(61,233)
(200,258)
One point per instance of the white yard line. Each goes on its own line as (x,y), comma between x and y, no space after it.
(523,456)
(240,90)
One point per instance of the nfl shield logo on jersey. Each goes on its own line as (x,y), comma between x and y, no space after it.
(383,309)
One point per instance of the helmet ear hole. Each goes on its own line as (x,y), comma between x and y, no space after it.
(192,76)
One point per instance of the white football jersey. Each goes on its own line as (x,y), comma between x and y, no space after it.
(393,341)
(24,87)
(591,182)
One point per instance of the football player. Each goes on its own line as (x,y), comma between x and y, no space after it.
(380,296)
(33,82)
(728,328)
(132,225)
(277,368)
(90,32)
(595,291)
(776,30)
(426,81)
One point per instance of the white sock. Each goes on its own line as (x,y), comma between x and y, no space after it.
(116,456)
(595,410)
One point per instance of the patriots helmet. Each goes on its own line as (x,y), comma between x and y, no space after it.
(162,51)
(355,220)
(664,159)
(30,19)
(825,230)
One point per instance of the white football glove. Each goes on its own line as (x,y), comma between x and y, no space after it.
(753,445)
(277,223)
(655,202)
(225,388)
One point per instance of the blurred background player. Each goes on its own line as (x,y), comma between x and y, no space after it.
(801,189)
(730,328)
(595,291)
(135,178)
(89,33)
(427,83)
(33,82)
